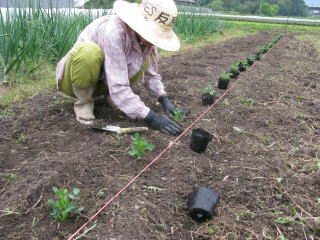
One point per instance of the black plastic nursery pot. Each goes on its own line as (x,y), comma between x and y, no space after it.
(257,56)
(241,67)
(199,140)
(202,203)
(249,61)
(207,99)
(234,73)
(223,83)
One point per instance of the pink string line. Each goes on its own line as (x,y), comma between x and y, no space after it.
(165,150)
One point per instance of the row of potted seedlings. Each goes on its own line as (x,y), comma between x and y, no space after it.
(238,67)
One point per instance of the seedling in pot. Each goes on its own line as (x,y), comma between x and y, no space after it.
(257,56)
(65,206)
(250,60)
(263,49)
(224,80)
(208,95)
(234,70)
(242,66)
(139,146)
(178,116)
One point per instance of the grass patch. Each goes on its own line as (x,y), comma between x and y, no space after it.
(315,40)
(27,88)
(273,27)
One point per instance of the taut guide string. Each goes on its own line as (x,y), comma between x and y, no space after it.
(164,151)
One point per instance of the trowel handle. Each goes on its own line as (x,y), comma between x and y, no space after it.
(133,129)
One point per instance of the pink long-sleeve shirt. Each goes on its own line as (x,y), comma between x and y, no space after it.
(123,59)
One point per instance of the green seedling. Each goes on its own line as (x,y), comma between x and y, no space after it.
(139,146)
(300,97)
(225,76)
(242,66)
(299,116)
(65,206)
(245,101)
(11,176)
(208,90)
(178,116)
(318,200)
(263,49)
(153,188)
(235,67)
(283,220)
(250,60)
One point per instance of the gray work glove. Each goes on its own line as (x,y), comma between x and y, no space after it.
(168,107)
(162,123)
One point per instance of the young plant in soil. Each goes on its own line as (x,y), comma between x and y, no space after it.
(242,66)
(224,80)
(234,70)
(208,95)
(65,206)
(178,116)
(250,60)
(139,146)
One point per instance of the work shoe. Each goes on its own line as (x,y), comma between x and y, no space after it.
(84,105)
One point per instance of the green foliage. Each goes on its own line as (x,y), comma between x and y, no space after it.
(283,220)
(225,76)
(65,206)
(178,116)
(216,5)
(263,49)
(139,146)
(269,9)
(235,67)
(208,90)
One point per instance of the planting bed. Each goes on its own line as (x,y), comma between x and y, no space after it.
(263,159)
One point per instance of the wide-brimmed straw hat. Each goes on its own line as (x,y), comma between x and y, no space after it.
(152,19)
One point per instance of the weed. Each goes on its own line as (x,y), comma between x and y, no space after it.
(245,101)
(299,116)
(139,146)
(225,102)
(178,115)
(153,188)
(65,205)
(284,220)
(11,176)
(300,97)
(318,200)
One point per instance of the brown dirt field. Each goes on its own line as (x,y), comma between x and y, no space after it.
(269,171)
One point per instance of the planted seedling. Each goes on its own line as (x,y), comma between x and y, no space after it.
(65,206)
(263,49)
(224,79)
(139,146)
(178,115)
(234,70)
(250,60)
(208,95)
(242,66)
(257,56)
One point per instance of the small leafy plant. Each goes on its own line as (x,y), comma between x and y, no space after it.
(139,146)
(235,67)
(178,115)
(65,206)
(208,90)
(242,66)
(250,60)
(263,49)
(225,76)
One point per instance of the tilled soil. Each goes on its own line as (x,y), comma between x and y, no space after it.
(263,160)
